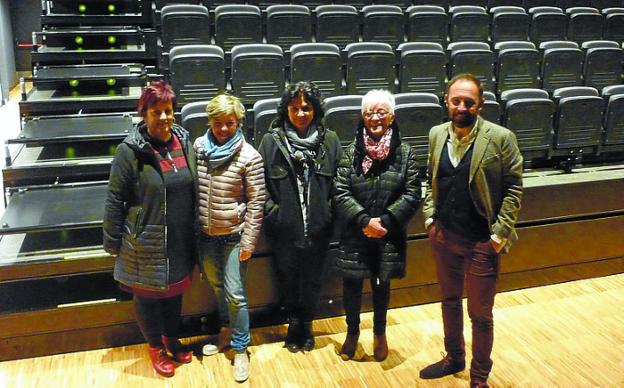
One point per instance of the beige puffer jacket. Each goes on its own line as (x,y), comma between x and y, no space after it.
(231,196)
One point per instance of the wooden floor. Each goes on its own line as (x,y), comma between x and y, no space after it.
(566,335)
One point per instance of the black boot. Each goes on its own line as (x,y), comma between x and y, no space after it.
(307,338)
(293,335)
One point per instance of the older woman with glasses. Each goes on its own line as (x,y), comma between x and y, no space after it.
(377,193)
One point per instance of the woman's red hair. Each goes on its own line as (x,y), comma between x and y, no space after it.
(156,92)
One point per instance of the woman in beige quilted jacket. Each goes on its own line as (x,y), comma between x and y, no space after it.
(231,197)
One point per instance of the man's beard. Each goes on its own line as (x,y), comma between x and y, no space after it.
(464,120)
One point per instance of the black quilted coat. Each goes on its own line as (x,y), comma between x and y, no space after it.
(135,212)
(390,190)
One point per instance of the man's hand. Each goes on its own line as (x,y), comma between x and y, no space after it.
(244,255)
(374,229)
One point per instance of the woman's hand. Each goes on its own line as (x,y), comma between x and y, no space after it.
(374,229)
(244,255)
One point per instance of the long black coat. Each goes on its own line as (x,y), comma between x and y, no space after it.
(391,190)
(135,212)
(283,223)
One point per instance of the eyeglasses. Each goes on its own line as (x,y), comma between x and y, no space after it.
(380,113)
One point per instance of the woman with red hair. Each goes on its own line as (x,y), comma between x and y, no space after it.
(149,223)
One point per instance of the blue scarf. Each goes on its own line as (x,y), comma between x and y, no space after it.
(216,153)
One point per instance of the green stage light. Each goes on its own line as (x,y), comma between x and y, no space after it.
(82,8)
(74,83)
(111,39)
(111,81)
(79,40)
(111,8)
(70,153)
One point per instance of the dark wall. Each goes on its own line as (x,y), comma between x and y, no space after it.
(25,18)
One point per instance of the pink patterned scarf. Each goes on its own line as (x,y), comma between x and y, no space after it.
(377,150)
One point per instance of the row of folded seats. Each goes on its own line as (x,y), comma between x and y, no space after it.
(259,71)
(446,4)
(288,24)
(574,119)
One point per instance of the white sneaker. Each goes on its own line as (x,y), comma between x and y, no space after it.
(210,349)
(241,367)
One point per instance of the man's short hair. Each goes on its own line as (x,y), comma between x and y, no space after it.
(465,77)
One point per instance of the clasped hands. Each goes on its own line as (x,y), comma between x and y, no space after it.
(374,229)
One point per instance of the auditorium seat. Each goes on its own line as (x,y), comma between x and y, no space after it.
(562,63)
(383,23)
(196,72)
(265,111)
(529,114)
(440,3)
(504,3)
(528,4)
(491,108)
(257,72)
(472,57)
(194,118)
(547,24)
(342,115)
(370,65)
(237,24)
(578,120)
(517,66)
(614,115)
(584,24)
(469,23)
(509,23)
(477,3)
(288,24)
(602,65)
(613,26)
(317,62)
(415,114)
(399,3)
(184,24)
(422,68)
(337,24)
(427,23)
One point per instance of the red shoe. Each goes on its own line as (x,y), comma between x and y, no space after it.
(174,347)
(161,363)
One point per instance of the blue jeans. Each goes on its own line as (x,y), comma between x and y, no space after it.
(227,274)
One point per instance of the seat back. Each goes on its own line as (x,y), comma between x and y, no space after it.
(614,115)
(257,72)
(561,65)
(475,58)
(469,23)
(342,115)
(509,23)
(196,72)
(603,64)
(578,121)
(585,23)
(491,108)
(320,63)
(237,24)
(422,68)
(195,118)
(370,65)
(264,112)
(517,66)
(337,24)
(529,114)
(184,24)
(415,114)
(288,24)
(383,23)
(427,23)
(613,25)
(547,24)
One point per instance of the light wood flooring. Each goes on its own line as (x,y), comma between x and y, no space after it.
(566,335)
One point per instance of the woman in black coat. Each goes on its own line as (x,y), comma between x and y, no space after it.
(377,193)
(300,158)
(149,223)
